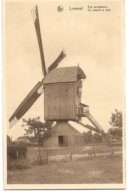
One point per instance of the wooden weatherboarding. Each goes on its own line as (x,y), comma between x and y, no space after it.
(62,89)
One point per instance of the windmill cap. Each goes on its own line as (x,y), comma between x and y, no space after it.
(65,74)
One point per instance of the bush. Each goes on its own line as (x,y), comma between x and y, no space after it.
(15,151)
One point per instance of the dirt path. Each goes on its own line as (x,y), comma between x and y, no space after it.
(79,156)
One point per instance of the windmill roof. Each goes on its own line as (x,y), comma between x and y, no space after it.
(65,74)
(64,128)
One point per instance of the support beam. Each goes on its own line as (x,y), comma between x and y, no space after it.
(94,122)
(91,128)
(106,137)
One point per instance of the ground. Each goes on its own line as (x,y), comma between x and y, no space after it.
(97,170)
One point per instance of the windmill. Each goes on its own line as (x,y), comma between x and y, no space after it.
(62,89)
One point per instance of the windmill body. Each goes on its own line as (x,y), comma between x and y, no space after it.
(62,92)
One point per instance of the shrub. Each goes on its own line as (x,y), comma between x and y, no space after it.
(15,151)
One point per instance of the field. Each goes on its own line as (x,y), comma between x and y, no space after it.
(97,170)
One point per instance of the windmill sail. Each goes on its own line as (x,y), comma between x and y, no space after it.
(57,61)
(38,88)
(27,103)
(35,16)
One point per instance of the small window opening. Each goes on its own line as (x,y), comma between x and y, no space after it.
(62,140)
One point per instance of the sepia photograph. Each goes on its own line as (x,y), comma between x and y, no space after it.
(64,94)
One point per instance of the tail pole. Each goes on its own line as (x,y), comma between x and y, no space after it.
(94,122)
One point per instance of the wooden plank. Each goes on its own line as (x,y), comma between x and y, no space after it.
(60,101)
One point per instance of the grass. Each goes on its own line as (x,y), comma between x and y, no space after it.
(99,170)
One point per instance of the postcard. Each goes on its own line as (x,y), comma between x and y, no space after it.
(64,98)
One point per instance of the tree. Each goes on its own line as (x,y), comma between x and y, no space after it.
(87,136)
(9,140)
(116,125)
(116,119)
(97,138)
(40,130)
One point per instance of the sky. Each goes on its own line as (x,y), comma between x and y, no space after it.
(94,40)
